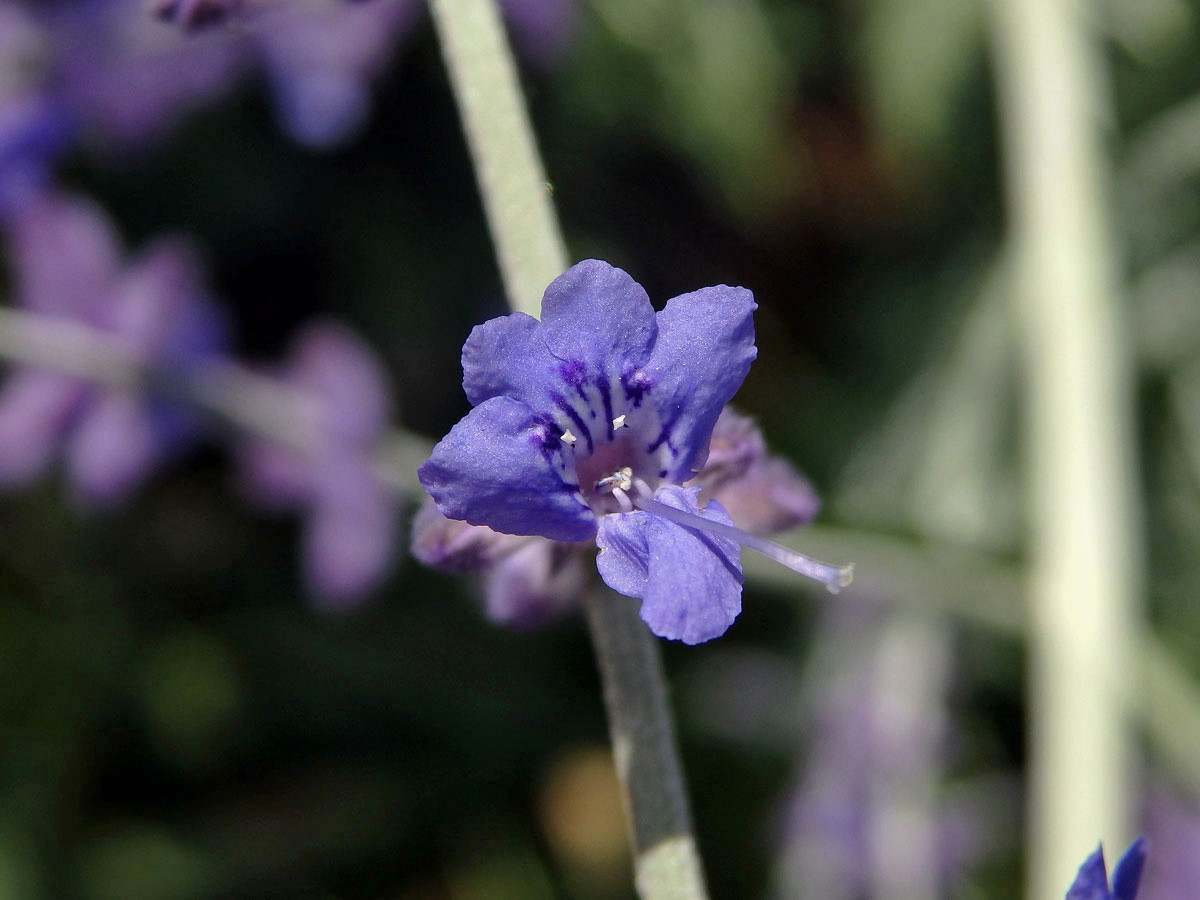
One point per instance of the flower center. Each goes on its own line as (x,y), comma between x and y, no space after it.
(614,465)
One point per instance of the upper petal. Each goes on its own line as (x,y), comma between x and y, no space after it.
(506,357)
(1092,881)
(597,316)
(497,467)
(704,349)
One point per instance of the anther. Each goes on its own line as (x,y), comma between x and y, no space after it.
(568,438)
(619,422)
(622,479)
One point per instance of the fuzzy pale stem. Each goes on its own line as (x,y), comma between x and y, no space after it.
(516,194)
(1085,520)
(529,245)
(666,863)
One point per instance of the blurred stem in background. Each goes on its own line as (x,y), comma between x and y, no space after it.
(1085,517)
(529,246)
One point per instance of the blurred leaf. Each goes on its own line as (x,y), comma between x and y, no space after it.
(915,56)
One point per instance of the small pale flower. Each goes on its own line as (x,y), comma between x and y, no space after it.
(588,423)
(341,401)
(67,264)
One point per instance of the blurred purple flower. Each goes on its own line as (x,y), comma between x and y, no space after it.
(1092,881)
(1173,829)
(341,399)
(320,59)
(763,494)
(128,79)
(33,129)
(541,29)
(866,804)
(66,263)
(528,580)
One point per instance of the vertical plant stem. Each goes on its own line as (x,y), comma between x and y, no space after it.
(529,246)
(666,862)
(516,194)
(1085,527)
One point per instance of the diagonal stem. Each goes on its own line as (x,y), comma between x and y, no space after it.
(529,246)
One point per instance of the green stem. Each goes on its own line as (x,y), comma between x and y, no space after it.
(1085,520)
(666,862)
(516,194)
(529,246)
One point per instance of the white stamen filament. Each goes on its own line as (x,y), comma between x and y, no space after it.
(619,422)
(832,576)
(568,438)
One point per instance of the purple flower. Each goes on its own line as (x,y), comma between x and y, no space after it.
(528,580)
(67,267)
(340,399)
(320,59)
(1092,881)
(1173,829)
(587,424)
(127,78)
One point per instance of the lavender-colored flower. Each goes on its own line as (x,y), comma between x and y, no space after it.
(128,78)
(320,59)
(1092,881)
(67,266)
(1172,826)
(588,423)
(763,494)
(341,404)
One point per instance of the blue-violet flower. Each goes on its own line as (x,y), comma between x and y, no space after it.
(1092,881)
(588,425)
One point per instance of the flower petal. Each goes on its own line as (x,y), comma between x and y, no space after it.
(331,362)
(1092,881)
(531,586)
(496,467)
(35,409)
(1128,872)
(65,258)
(506,357)
(111,450)
(704,349)
(454,546)
(769,497)
(624,559)
(350,535)
(690,583)
(597,316)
